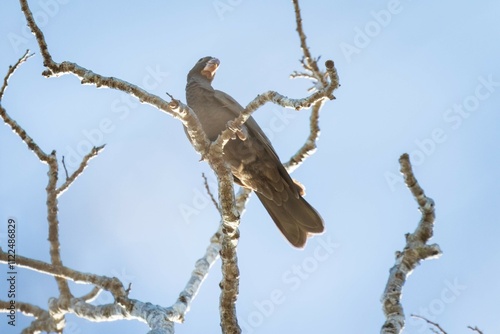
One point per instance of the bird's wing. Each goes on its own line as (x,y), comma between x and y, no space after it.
(271,158)
(232,106)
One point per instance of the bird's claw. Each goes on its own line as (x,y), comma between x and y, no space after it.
(239,131)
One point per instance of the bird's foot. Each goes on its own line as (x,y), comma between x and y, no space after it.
(240,131)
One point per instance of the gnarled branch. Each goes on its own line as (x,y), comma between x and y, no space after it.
(416,250)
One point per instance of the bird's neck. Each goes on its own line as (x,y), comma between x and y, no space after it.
(198,82)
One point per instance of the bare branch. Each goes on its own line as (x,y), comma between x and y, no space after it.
(301,75)
(199,140)
(242,200)
(230,282)
(113,285)
(92,294)
(276,98)
(229,287)
(314,73)
(227,238)
(200,272)
(195,132)
(475,329)
(65,169)
(43,321)
(158,318)
(69,180)
(47,59)
(182,112)
(230,235)
(207,188)
(86,76)
(416,250)
(308,62)
(53,220)
(42,156)
(309,146)
(11,71)
(439,330)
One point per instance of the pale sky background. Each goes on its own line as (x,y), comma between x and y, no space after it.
(401,92)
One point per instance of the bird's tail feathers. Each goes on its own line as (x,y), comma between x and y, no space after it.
(295,218)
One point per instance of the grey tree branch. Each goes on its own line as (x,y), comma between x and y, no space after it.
(158,318)
(42,322)
(309,146)
(53,220)
(230,235)
(308,61)
(226,239)
(53,320)
(113,285)
(416,250)
(16,128)
(92,294)
(229,228)
(185,114)
(200,272)
(51,160)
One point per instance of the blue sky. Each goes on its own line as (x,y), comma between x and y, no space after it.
(417,76)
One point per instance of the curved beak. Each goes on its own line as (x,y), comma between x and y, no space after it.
(210,68)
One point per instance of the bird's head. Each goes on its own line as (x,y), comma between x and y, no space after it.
(205,68)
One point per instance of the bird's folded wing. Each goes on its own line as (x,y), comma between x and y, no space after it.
(271,167)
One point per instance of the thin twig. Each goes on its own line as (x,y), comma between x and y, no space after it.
(16,128)
(475,329)
(441,330)
(65,169)
(11,71)
(69,180)
(302,75)
(416,250)
(309,62)
(209,192)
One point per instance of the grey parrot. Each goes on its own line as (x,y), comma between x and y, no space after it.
(253,160)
